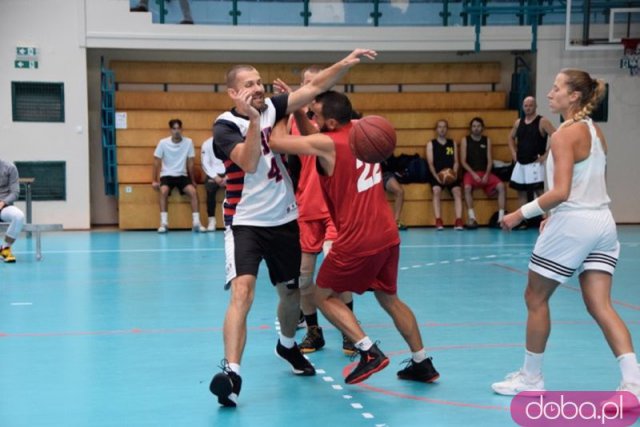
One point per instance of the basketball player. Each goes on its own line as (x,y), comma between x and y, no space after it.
(580,234)
(476,159)
(260,213)
(528,146)
(359,260)
(442,153)
(317,231)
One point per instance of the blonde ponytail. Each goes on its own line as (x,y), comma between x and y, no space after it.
(592,91)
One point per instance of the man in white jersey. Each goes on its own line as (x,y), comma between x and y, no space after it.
(580,235)
(215,178)
(173,168)
(260,213)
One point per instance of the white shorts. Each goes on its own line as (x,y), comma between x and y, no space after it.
(531,173)
(576,240)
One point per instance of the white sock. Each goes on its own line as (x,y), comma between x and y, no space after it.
(629,368)
(164,218)
(212,220)
(195,217)
(472,214)
(6,245)
(364,344)
(235,367)
(287,342)
(532,363)
(419,355)
(500,215)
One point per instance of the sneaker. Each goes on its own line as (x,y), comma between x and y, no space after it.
(439,224)
(139,9)
(628,402)
(162,228)
(299,364)
(7,256)
(371,361)
(226,385)
(401,226)
(517,382)
(459,225)
(211,226)
(198,228)
(348,348)
(186,21)
(423,371)
(472,224)
(302,323)
(313,341)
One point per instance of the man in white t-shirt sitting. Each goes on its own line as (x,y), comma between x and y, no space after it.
(215,178)
(173,168)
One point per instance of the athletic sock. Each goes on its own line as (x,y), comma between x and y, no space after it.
(364,344)
(311,319)
(629,368)
(419,355)
(164,218)
(287,342)
(532,363)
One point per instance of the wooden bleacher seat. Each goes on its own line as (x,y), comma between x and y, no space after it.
(414,114)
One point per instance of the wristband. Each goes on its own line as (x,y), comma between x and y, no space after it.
(531,209)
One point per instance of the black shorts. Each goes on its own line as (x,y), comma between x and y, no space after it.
(246,246)
(179,182)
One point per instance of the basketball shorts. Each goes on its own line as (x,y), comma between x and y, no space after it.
(489,188)
(342,272)
(314,233)
(246,246)
(576,240)
(179,182)
(527,177)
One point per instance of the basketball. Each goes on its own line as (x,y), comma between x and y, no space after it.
(372,139)
(447,176)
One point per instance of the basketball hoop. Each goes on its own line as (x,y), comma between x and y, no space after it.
(631,57)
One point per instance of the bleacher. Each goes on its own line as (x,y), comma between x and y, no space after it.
(412,96)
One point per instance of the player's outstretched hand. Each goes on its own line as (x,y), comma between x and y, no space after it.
(355,56)
(279,86)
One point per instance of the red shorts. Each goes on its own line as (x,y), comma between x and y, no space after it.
(314,233)
(377,272)
(489,188)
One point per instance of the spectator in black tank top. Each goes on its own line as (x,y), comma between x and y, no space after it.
(528,146)
(442,153)
(476,159)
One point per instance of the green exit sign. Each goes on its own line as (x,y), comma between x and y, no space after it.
(26,64)
(26,51)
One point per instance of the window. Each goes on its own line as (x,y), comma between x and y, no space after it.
(50,180)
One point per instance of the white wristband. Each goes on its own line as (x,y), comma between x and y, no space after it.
(531,209)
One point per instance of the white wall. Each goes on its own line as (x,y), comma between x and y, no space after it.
(55,28)
(622,130)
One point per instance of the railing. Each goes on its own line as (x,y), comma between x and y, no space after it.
(108,129)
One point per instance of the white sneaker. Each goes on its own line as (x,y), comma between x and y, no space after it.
(517,382)
(162,228)
(628,401)
(211,226)
(199,228)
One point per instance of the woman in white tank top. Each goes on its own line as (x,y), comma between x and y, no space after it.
(579,235)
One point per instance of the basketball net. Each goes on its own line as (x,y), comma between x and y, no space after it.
(631,56)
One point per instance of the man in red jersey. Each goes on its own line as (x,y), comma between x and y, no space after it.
(317,231)
(359,260)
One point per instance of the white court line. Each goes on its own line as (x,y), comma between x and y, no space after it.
(328,379)
(356,405)
(367,415)
(21,303)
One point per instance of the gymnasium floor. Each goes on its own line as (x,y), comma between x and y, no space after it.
(124,329)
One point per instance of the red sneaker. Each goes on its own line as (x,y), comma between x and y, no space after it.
(459,225)
(439,224)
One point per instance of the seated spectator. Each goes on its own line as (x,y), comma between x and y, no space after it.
(476,159)
(215,178)
(442,153)
(143,6)
(394,187)
(9,190)
(173,168)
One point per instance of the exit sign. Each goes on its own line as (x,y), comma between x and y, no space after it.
(26,64)
(26,51)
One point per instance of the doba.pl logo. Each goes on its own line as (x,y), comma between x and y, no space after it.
(575,408)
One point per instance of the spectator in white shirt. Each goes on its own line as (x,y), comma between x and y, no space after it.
(173,168)
(215,179)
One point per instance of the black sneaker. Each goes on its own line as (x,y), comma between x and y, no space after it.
(226,385)
(299,364)
(423,371)
(371,361)
(348,348)
(313,341)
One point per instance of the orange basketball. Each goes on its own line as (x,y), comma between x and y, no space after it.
(447,176)
(372,139)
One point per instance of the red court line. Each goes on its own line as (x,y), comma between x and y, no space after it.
(571,288)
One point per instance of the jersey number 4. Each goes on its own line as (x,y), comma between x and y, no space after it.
(369,176)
